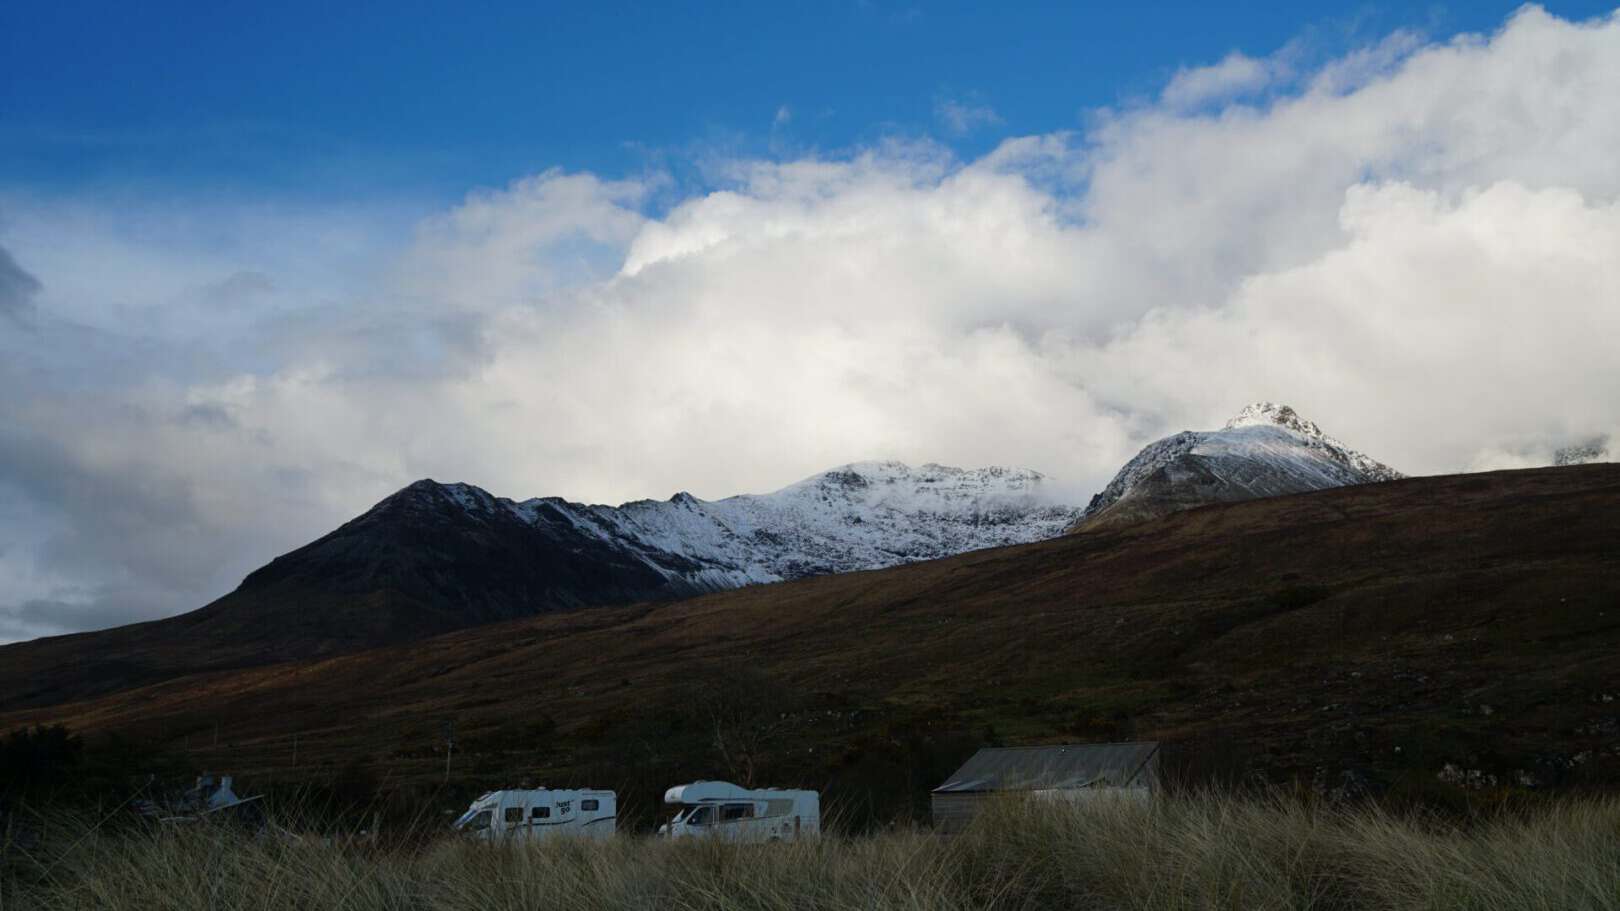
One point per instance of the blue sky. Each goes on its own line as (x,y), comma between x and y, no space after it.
(431,99)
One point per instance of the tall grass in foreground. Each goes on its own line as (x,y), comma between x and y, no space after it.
(1187,853)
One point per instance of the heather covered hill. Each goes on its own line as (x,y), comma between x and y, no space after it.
(1454,631)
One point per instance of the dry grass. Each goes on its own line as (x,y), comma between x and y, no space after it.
(1194,853)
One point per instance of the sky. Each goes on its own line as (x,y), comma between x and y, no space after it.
(261,267)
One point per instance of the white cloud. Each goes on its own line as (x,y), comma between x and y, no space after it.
(961,116)
(1417,246)
(1439,331)
(1236,75)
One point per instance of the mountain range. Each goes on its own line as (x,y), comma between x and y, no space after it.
(436,557)
(1261,589)
(464,556)
(447,556)
(1452,632)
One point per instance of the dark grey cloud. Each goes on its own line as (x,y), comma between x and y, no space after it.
(14,630)
(51,617)
(125,519)
(125,544)
(17,287)
(88,541)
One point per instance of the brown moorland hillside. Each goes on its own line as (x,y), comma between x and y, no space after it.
(1370,636)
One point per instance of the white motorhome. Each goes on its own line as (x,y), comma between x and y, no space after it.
(540,813)
(716,809)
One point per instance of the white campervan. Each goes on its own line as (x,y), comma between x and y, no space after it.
(540,813)
(715,809)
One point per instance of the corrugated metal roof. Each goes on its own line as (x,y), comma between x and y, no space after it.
(1076,765)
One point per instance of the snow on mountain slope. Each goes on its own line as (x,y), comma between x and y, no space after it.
(1594,450)
(1267,450)
(1266,414)
(865,515)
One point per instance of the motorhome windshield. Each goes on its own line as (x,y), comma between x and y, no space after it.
(475,820)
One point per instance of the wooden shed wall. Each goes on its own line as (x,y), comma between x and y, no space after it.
(1149,776)
(953,812)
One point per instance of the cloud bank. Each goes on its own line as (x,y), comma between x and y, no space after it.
(1417,245)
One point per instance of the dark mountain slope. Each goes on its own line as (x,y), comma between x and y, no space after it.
(417,564)
(1380,632)
(450,565)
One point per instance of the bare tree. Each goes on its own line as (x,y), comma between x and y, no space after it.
(745,713)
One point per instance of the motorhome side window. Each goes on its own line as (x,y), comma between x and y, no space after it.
(513,814)
(541,813)
(699,817)
(588,804)
(736,811)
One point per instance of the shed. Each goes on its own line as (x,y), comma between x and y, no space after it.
(1076,770)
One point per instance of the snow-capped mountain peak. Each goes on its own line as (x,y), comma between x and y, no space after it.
(1265,414)
(1266,450)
